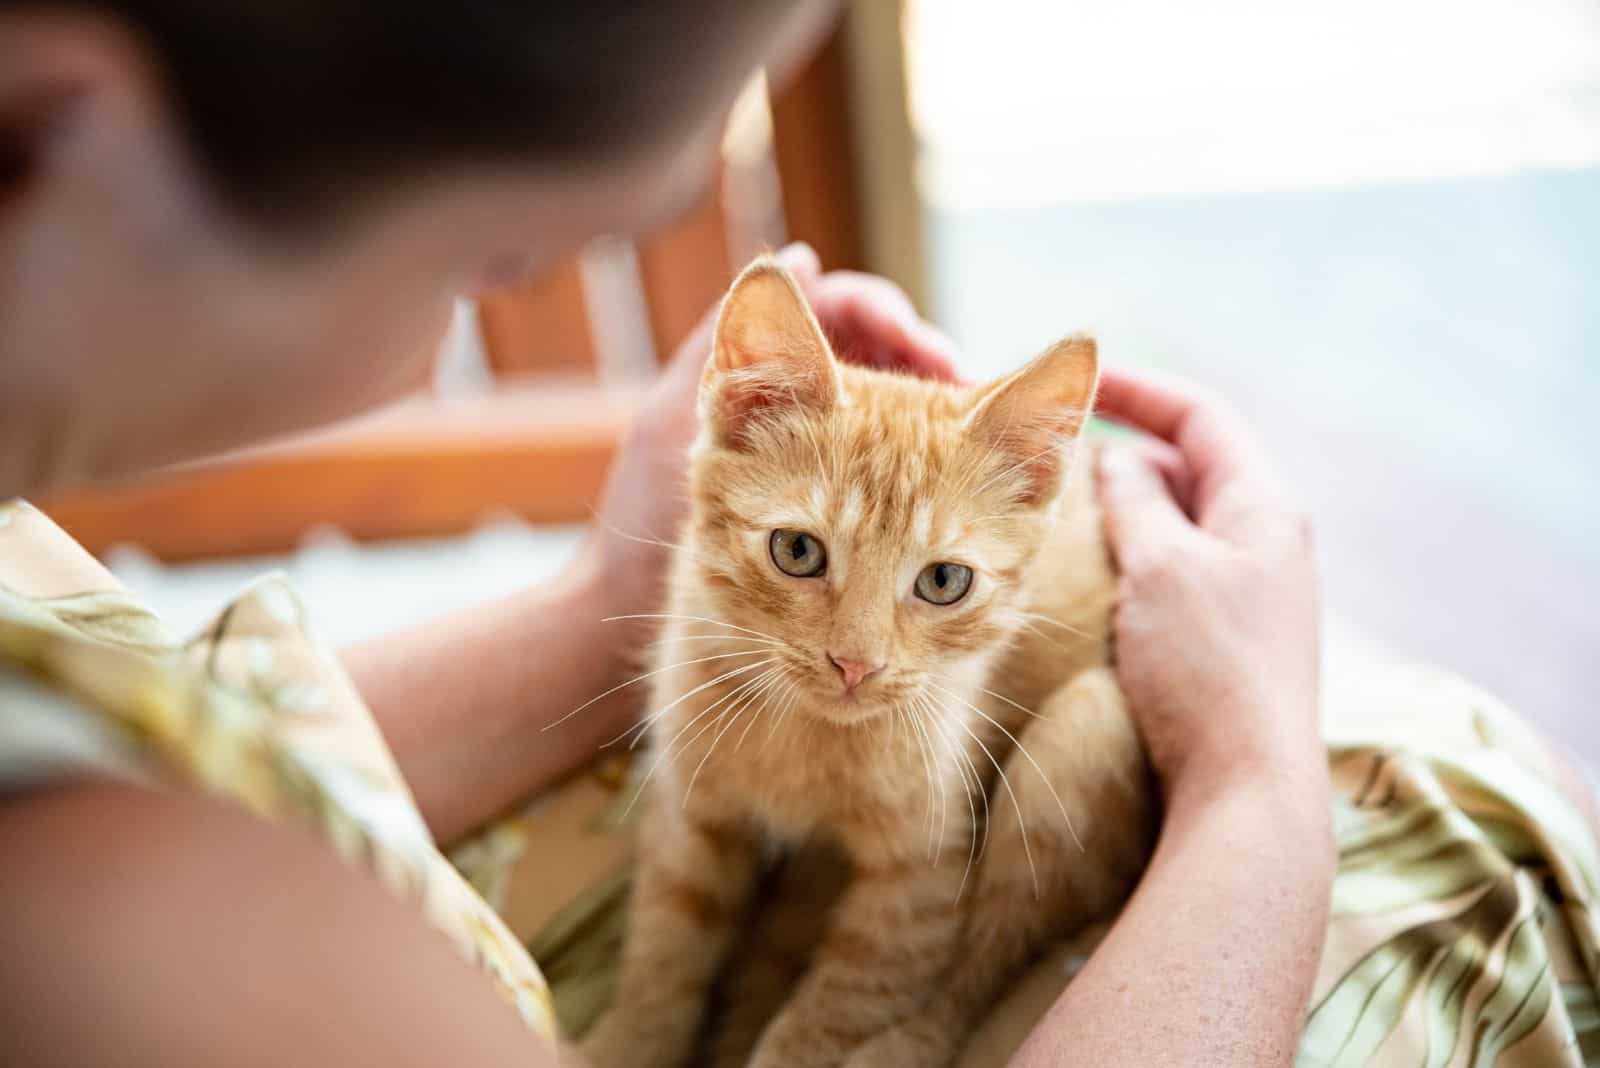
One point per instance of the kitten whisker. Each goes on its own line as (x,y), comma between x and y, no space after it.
(969,772)
(782,695)
(917,736)
(1033,629)
(641,678)
(783,715)
(644,725)
(674,639)
(896,722)
(740,694)
(997,696)
(695,619)
(1069,628)
(1022,824)
(645,539)
(1048,785)
(936,721)
(666,750)
(1002,697)
(928,725)
(772,678)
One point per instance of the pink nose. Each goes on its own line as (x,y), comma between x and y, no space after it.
(853,671)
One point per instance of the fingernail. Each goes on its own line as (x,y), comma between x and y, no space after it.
(931,337)
(1115,463)
(798,255)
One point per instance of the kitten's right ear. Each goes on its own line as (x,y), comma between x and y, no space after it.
(768,354)
(1033,416)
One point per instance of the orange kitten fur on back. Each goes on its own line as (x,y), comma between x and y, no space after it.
(888,632)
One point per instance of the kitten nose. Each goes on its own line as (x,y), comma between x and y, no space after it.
(854,671)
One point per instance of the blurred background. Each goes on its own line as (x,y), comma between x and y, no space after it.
(1374,224)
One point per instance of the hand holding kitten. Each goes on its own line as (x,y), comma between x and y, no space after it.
(1217,650)
(1217,622)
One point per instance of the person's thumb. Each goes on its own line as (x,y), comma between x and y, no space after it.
(800,260)
(1142,520)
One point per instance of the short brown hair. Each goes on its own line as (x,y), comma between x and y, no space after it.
(287,100)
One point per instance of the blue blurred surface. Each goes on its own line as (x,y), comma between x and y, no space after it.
(1424,359)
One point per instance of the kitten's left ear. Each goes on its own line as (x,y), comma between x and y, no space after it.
(768,354)
(1031,417)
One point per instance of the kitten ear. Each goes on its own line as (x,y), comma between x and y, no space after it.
(1031,417)
(768,354)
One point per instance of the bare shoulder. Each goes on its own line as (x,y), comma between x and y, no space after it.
(146,927)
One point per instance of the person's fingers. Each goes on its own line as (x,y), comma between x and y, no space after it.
(1170,464)
(1143,522)
(1221,452)
(873,323)
(932,354)
(800,260)
(873,293)
(1175,411)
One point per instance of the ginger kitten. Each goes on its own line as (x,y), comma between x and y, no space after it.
(888,632)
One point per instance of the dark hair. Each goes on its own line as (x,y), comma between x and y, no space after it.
(287,101)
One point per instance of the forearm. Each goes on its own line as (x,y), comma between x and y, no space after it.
(1213,960)
(464,701)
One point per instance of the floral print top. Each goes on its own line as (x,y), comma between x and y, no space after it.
(250,709)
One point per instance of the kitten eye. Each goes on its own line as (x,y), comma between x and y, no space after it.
(797,553)
(944,583)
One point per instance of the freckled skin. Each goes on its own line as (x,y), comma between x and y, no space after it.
(757,749)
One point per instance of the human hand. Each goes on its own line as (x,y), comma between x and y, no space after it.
(868,319)
(1217,619)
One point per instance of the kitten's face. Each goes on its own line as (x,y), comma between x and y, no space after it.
(878,527)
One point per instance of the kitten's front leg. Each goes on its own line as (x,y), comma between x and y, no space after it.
(692,881)
(892,936)
(788,927)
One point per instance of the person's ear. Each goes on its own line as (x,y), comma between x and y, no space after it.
(68,78)
(1031,419)
(768,356)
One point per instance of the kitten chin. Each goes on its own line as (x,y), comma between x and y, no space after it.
(848,710)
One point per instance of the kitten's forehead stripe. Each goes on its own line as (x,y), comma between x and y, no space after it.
(850,510)
(922,523)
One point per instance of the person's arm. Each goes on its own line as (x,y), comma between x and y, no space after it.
(153,929)
(1213,959)
(464,701)
(470,704)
